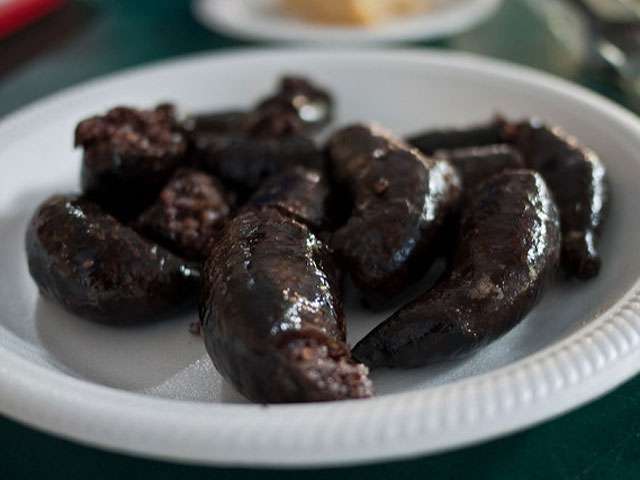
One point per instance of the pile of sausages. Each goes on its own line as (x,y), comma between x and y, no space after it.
(244,214)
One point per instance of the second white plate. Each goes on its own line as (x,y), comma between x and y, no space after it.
(264,20)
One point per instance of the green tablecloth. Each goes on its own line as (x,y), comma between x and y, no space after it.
(87,39)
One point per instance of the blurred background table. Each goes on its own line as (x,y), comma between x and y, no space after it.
(88,38)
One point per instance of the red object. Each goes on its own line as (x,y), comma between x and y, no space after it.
(15,14)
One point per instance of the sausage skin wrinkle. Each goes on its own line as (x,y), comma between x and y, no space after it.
(272,313)
(509,248)
(401,200)
(96,267)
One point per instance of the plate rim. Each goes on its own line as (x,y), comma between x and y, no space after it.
(558,378)
(207,12)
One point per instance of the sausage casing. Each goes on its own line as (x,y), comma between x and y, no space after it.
(272,315)
(87,261)
(509,248)
(401,201)
(578,180)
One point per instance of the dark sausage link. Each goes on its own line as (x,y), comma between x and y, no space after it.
(95,267)
(272,313)
(578,180)
(128,156)
(401,201)
(509,249)
(574,173)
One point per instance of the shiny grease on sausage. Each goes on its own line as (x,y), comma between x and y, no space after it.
(578,180)
(272,314)
(95,267)
(298,106)
(401,201)
(574,173)
(508,252)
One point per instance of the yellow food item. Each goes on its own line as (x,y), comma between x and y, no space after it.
(353,12)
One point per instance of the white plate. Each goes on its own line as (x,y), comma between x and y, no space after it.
(152,390)
(264,20)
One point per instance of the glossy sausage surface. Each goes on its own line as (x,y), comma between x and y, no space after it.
(578,180)
(401,201)
(509,249)
(272,313)
(94,266)
(298,106)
